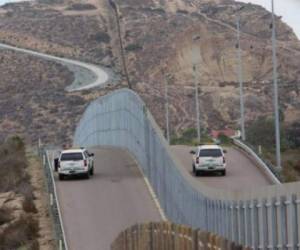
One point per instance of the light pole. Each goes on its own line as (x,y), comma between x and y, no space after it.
(167,109)
(197,103)
(275,83)
(196,80)
(240,76)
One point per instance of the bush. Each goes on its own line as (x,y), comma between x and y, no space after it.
(293,135)
(21,233)
(189,137)
(133,47)
(28,206)
(82,6)
(262,132)
(5,215)
(101,37)
(289,174)
(224,139)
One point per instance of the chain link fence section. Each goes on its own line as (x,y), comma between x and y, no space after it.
(266,218)
(54,210)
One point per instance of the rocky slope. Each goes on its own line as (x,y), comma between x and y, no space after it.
(24,215)
(158,41)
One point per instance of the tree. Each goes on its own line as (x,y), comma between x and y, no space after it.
(262,132)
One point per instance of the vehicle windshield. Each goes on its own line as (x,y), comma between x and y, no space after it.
(210,153)
(71,157)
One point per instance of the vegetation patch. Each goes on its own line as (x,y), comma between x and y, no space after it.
(20,227)
(81,6)
(101,37)
(189,137)
(261,134)
(133,47)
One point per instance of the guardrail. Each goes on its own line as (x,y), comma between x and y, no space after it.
(170,236)
(55,213)
(267,170)
(261,218)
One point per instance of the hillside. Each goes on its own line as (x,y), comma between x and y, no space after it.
(157,38)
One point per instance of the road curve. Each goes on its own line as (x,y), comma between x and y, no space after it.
(242,173)
(88,75)
(95,211)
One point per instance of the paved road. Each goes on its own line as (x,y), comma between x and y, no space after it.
(86,75)
(241,174)
(94,211)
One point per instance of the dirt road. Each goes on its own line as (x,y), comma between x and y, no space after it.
(86,75)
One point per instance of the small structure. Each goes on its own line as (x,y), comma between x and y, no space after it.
(231,133)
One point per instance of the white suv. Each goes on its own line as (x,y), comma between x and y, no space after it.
(75,162)
(209,158)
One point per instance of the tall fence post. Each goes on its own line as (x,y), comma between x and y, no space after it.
(278,224)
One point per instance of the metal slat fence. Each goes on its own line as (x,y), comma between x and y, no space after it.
(169,236)
(261,219)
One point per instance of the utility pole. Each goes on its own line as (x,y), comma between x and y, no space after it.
(115,8)
(275,83)
(196,80)
(167,109)
(240,76)
(197,103)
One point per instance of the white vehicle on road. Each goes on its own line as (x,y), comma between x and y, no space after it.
(75,162)
(209,158)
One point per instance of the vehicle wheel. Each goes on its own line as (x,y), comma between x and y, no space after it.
(197,172)
(61,177)
(194,169)
(223,172)
(92,171)
(87,175)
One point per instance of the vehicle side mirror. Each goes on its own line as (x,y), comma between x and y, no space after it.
(55,164)
(225,151)
(192,152)
(91,154)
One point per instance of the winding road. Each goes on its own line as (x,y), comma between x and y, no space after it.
(86,75)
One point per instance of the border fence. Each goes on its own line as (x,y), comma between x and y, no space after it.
(261,218)
(170,236)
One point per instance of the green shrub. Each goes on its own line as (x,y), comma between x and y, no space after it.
(262,132)
(133,47)
(189,137)
(81,6)
(224,139)
(101,37)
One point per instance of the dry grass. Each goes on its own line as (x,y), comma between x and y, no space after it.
(21,231)
(5,215)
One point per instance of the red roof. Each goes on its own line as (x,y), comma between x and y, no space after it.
(228,132)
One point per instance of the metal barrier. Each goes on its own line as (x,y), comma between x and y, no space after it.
(267,169)
(261,218)
(170,236)
(60,238)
